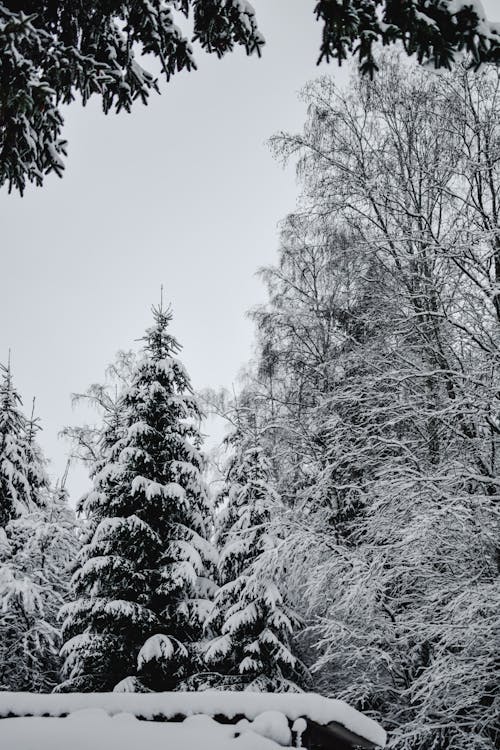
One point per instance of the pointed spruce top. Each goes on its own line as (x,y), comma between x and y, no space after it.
(160,344)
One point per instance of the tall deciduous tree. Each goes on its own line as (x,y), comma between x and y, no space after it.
(89,441)
(391,534)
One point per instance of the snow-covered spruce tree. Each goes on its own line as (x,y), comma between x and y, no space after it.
(37,551)
(140,586)
(37,545)
(21,476)
(251,624)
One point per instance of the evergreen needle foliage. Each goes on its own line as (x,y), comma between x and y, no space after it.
(141,582)
(38,544)
(252,626)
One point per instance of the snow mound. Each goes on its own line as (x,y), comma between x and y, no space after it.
(270,724)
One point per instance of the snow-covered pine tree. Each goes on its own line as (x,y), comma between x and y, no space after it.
(37,551)
(251,623)
(19,465)
(140,586)
(37,546)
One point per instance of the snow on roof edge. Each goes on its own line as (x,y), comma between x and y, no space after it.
(211,702)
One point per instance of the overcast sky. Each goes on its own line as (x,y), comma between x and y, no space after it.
(184,193)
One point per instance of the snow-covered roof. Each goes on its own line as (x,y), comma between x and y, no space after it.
(210,703)
(94,728)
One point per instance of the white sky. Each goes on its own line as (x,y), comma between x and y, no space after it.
(184,193)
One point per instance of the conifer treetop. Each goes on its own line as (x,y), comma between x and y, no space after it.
(158,342)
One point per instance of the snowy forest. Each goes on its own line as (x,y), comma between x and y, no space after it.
(343,538)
